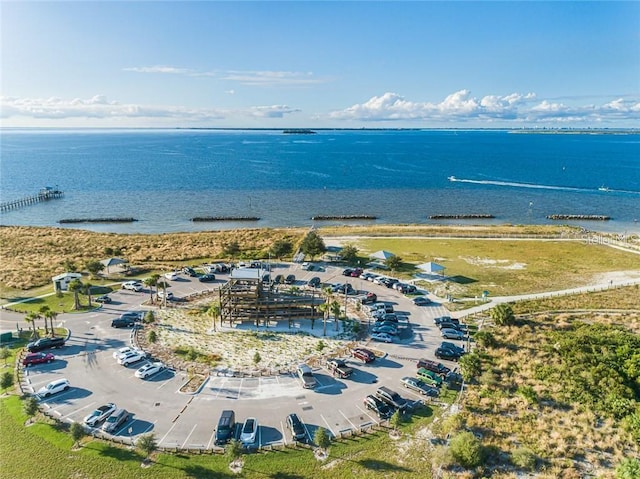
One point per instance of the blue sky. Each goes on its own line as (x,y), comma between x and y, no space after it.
(320,64)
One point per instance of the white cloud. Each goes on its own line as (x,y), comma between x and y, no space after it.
(98,107)
(244,77)
(460,106)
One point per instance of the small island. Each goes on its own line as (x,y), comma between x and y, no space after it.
(97,220)
(298,131)
(225,218)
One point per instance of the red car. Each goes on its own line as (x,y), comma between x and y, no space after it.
(363,355)
(37,358)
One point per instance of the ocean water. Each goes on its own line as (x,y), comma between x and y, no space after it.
(163,178)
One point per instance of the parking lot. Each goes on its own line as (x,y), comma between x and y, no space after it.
(188,421)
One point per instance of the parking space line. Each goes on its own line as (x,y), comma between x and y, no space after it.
(366,413)
(213,435)
(168,432)
(90,405)
(328,427)
(348,420)
(127,424)
(150,427)
(189,435)
(284,437)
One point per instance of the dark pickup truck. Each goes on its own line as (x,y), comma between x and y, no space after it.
(45,343)
(434,366)
(339,368)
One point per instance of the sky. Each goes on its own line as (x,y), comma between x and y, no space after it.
(320,64)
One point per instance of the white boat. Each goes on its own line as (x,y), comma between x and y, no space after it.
(451,178)
(603,188)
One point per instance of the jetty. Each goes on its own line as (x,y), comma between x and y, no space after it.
(343,217)
(97,220)
(579,217)
(45,194)
(462,217)
(225,218)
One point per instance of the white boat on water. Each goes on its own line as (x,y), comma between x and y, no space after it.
(603,188)
(451,178)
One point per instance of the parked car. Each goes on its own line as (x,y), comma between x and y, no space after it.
(421,301)
(161,295)
(347,272)
(369,298)
(123,323)
(189,271)
(434,366)
(105,299)
(449,333)
(450,325)
(306,376)
(429,377)
(100,414)
(45,343)
(356,272)
(390,330)
(54,387)
(207,278)
(150,369)
(452,346)
(381,408)
(132,285)
(445,319)
(226,427)
(131,357)
(295,425)
(171,275)
(249,431)
(135,315)
(339,368)
(115,420)
(366,276)
(388,308)
(382,337)
(446,353)
(290,279)
(419,386)
(121,351)
(363,355)
(392,398)
(314,282)
(32,359)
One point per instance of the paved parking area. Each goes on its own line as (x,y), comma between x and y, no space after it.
(188,421)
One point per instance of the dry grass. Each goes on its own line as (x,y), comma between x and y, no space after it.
(30,256)
(570,439)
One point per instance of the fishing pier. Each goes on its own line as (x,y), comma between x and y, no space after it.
(45,194)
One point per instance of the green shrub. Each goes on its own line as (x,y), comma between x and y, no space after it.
(628,469)
(322,438)
(486,339)
(148,317)
(467,449)
(470,366)
(152,336)
(524,458)
(6,380)
(528,393)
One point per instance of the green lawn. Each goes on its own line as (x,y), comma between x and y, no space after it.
(26,449)
(505,267)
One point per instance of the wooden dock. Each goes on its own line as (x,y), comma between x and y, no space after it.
(45,194)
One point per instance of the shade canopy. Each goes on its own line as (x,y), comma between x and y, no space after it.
(113,261)
(431,267)
(382,255)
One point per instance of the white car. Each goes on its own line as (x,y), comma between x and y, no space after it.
(132,286)
(249,431)
(382,337)
(449,333)
(169,294)
(54,387)
(100,414)
(121,351)
(131,357)
(150,369)
(172,275)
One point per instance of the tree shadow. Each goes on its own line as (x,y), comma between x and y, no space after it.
(383,466)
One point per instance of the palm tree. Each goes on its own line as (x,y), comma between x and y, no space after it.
(502,314)
(213,312)
(75,287)
(335,309)
(151,281)
(87,291)
(31,320)
(51,316)
(44,314)
(324,309)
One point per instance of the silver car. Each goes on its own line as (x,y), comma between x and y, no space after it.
(449,333)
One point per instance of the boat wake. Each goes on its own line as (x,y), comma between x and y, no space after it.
(538,186)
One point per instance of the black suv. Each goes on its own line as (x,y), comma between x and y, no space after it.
(45,343)
(392,398)
(126,322)
(380,408)
(294,424)
(226,427)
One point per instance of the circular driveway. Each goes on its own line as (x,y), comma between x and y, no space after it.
(188,421)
